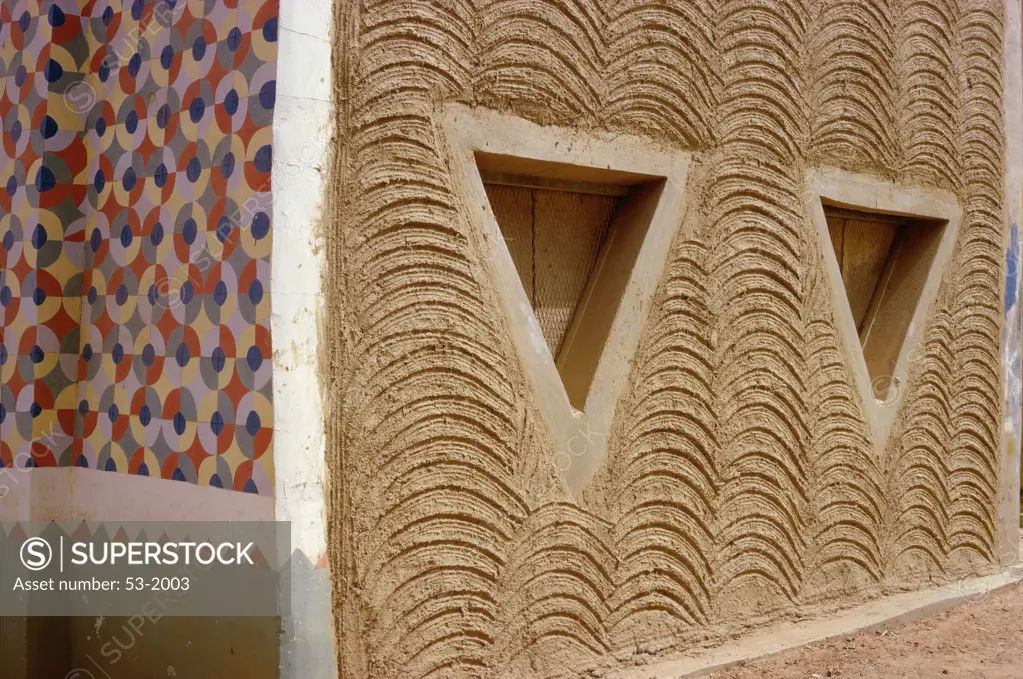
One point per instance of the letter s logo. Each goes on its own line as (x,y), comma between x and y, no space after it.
(36,554)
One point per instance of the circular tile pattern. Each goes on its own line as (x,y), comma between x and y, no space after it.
(141,321)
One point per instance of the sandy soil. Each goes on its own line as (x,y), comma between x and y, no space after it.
(979,640)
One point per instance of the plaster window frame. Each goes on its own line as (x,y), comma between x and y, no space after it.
(580,437)
(870,194)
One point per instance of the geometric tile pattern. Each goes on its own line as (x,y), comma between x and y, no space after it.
(136,228)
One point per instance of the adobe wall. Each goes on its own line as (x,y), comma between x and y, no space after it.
(741,482)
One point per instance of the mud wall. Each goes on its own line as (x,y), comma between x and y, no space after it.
(741,482)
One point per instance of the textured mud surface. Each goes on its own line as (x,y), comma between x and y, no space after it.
(741,483)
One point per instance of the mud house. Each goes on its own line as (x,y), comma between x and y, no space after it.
(567,334)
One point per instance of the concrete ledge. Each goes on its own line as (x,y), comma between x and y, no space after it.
(876,615)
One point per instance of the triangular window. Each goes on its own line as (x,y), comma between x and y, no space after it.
(573,229)
(885,261)
(573,234)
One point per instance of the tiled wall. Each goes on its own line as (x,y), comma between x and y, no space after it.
(136,237)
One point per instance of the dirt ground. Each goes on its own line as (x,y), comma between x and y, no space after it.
(978,640)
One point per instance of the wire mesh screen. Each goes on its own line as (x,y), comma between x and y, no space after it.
(862,243)
(554,238)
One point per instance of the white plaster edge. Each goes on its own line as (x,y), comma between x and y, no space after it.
(311,18)
(301,138)
(869,192)
(579,436)
(302,132)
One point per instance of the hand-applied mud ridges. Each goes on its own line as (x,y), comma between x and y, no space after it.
(556,587)
(625,64)
(658,77)
(740,475)
(847,488)
(945,466)
(928,121)
(662,474)
(977,312)
(755,215)
(919,483)
(545,58)
(428,406)
(854,84)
